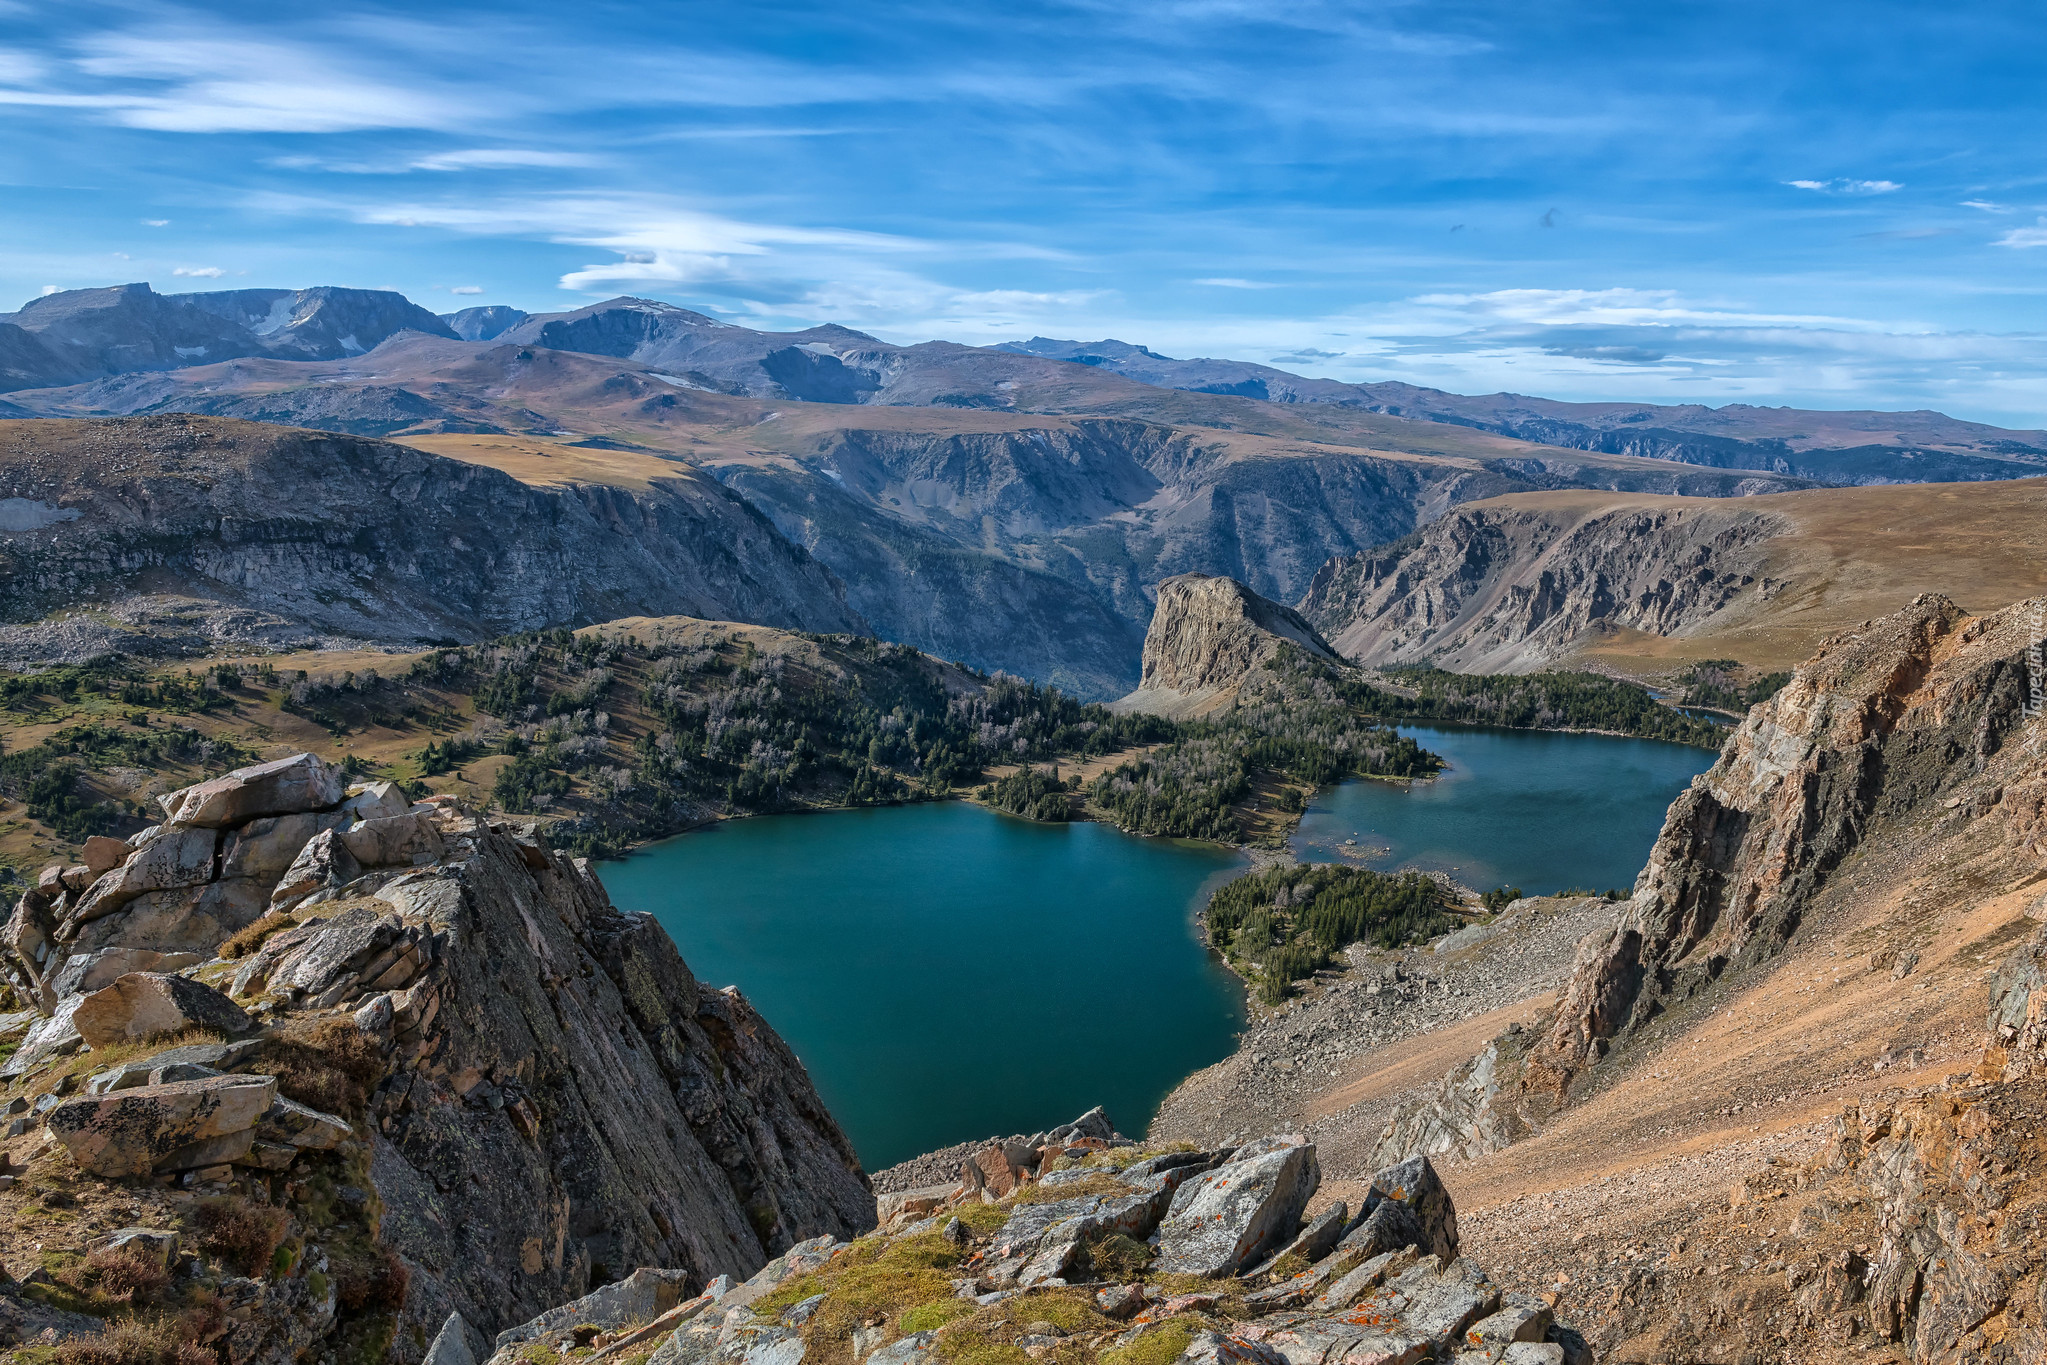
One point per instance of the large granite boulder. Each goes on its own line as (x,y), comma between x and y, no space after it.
(150,1004)
(155,1068)
(174,859)
(410,840)
(300,1125)
(264,849)
(48,1037)
(102,855)
(84,973)
(1414,1186)
(289,786)
(1241,1211)
(324,862)
(173,1127)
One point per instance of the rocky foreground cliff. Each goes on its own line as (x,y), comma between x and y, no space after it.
(169,535)
(310,1069)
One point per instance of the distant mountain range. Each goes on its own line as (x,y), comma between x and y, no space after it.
(84,335)
(87,334)
(1012,507)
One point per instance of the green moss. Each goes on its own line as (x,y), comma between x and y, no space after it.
(1067,1312)
(1162,1347)
(1069,1189)
(1286,1267)
(982,1218)
(1119,1258)
(929,1317)
(970,1348)
(870,1280)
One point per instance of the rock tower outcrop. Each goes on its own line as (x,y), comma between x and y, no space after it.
(1208,638)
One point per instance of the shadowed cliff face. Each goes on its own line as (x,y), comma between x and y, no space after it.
(364,539)
(675,1128)
(1038,551)
(1854,885)
(541,1096)
(1503,589)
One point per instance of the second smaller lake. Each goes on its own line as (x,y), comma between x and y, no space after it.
(1542,811)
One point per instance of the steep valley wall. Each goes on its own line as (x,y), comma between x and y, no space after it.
(295,535)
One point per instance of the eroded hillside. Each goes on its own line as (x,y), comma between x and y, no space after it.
(1648,584)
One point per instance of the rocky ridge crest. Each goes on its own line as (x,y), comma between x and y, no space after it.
(1092,1247)
(1920,1224)
(1500,588)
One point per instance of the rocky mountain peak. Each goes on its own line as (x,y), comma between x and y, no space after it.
(1208,637)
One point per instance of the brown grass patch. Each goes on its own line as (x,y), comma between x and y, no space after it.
(241,1233)
(372,1278)
(249,938)
(1069,1189)
(333,1067)
(126,1273)
(133,1342)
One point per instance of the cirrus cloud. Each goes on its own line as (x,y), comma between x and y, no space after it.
(1847,186)
(2025,237)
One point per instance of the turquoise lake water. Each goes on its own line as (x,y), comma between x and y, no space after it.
(946,972)
(1544,812)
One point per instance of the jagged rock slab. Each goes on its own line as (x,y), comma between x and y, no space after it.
(288,786)
(143,1005)
(1235,1214)
(163,1127)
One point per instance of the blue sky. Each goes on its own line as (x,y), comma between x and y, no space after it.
(1833,205)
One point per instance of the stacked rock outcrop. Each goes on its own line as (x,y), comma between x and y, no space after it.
(1182,1255)
(408,1038)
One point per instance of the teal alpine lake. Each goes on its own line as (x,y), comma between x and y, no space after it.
(947,973)
(1542,811)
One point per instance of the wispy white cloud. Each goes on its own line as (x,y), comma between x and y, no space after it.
(156,222)
(466,289)
(1985,205)
(1847,186)
(1606,307)
(2026,237)
(461,159)
(200,272)
(501,158)
(1228,282)
(19,68)
(225,80)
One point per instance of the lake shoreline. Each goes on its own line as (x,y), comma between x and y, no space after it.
(967,794)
